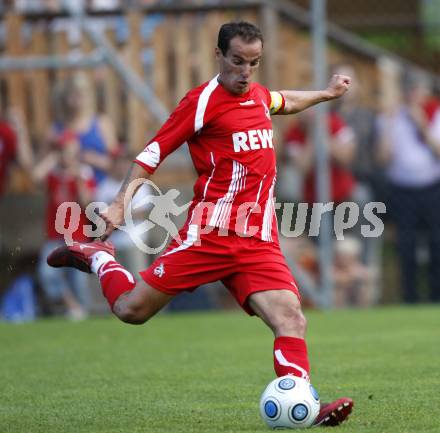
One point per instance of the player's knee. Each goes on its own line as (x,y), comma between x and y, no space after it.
(131,315)
(290,321)
(302,322)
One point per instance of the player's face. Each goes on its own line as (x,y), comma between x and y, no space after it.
(238,65)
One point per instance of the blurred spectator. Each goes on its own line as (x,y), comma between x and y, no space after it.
(410,151)
(13,145)
(301,256)
(369,180)
(66,180)
(303,251)
(8,149)
(362,121)
(300,150)
(76,114)
(353,281)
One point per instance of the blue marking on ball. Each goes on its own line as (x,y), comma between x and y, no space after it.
(286,384)
(315,394)
(270,409)
(299,412)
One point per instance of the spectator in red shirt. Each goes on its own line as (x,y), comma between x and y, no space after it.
(8,143)
(342,146)
(370,182)
(14,146)
(66,181)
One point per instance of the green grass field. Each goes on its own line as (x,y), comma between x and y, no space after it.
(205,372)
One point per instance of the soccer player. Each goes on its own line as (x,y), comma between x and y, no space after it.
(231,231)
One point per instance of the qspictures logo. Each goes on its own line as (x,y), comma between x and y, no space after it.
(162,207)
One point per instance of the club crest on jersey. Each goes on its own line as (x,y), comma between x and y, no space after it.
(253,139)
(159,270)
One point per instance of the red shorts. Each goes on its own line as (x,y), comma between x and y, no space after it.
(244,265)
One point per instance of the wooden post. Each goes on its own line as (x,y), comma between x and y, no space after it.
(252,17)
(207,33)
(270,66)
(294,61)
(368,75)
(112,91)
(389,84)
(16,90)
(160,44)
(87,47)
(215,21)
(137,116)
(39,90)
(182,40)
(62,48)
(15,80)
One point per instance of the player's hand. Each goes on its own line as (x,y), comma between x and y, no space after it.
(338,85)
(113,217)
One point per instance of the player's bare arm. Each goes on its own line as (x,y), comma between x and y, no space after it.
(299,100)
(114,214)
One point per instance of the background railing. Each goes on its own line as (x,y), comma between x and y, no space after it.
(166,48)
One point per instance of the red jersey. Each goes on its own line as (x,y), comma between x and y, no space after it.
(62,187)
(230,140)
(341,179)
(7,152)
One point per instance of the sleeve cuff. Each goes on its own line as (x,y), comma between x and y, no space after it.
(146,167)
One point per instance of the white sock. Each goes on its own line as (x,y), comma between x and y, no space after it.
(100,258)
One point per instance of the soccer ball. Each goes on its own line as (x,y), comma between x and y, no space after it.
(289,402)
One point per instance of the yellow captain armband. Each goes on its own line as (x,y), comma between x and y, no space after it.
(276,102)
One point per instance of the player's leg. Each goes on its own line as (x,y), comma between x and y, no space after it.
(178,269)
(140,304)
(132,302)
(281,311)
(264,286)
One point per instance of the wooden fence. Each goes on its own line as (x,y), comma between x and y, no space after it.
(177,54)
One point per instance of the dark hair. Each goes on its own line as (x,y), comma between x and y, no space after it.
(246,31)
